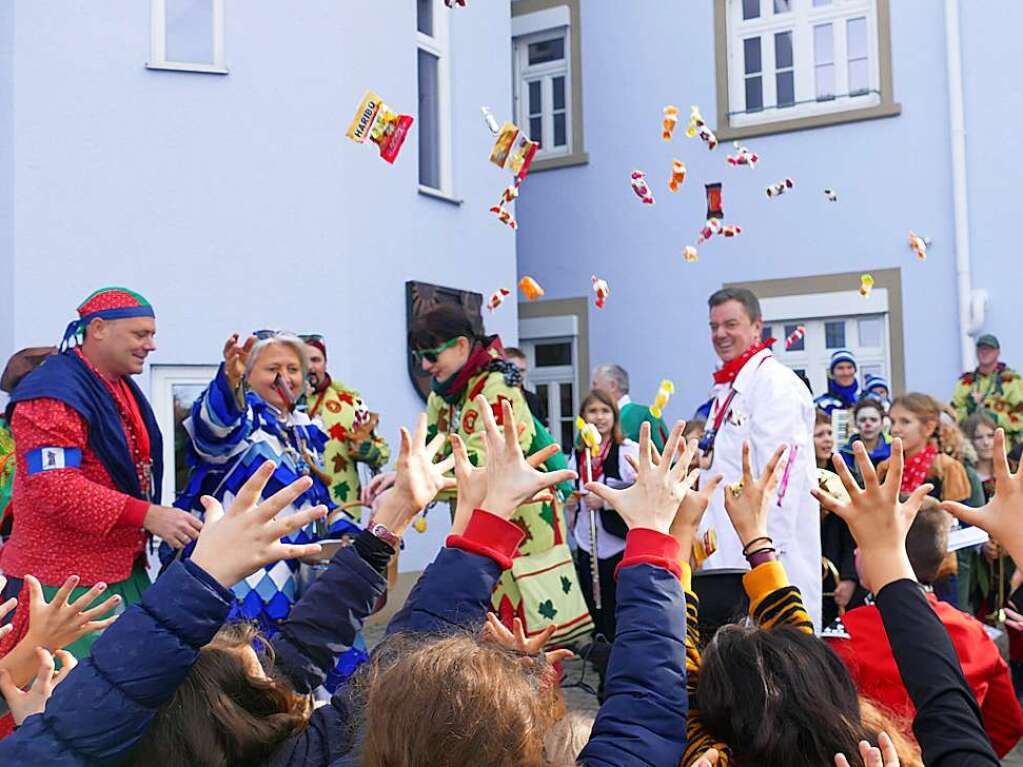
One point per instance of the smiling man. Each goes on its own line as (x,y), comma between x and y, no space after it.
(757,399)
(89,462)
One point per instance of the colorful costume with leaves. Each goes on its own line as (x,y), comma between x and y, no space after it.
(1000,393)
(6,467)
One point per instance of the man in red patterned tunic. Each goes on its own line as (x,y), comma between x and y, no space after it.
(88,456)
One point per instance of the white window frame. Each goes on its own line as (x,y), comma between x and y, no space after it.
(551,330)
(158,41)
(545,73)
(801,20)
(439,45)
(162,379)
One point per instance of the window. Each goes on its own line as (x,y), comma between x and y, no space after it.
(434,80)
(797,346)
(552,371)
(794,60)
(187,35)
(542,85)
(834,334)
(174,388)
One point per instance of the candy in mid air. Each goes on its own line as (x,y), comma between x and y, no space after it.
(743,156)
(641,188)
(698,128)
(730,230)
(588,434)
(715,202)
(510,193)
(490,120)
(453,3)
(513,150)
(690,254)
(602,291)
(664,392)
(420,524)
(670,122)
(866,285)
(678,175)
(505,216)
(795,336)
(374,121)
(530,288)
(919,245)
(497,298)
(712,227)
(775,190)
(831,195)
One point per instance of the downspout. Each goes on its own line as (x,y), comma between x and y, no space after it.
(971,306)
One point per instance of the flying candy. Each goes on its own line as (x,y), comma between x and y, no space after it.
(775,190)
(698,128)
(375,121)
(795,337)
(510,193)
(715,203)
(641,188)
(866,285)
(831,194)
(513,149)
(588,434)
(420,524)
(712,227)
(602,290)
(690,254)
(490,120)
(453,3)
(730,230)
(743,156)
(678,175)
(530,288)
(505,216)
(670,122)
(919,245)
(664,392)
(497,298)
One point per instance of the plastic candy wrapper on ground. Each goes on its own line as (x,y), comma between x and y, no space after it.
(678,175)
(742,156)
(776,190)
(919,245)
(588,434)
(698,128)
(497,298)
(490,120)
(831,195)
(670,122)
(664,392)
(601,290)
(374,121)
(530,288)
(866,285)
(505,216)
(795,337)
(690,254)
(513,150)
(641,188)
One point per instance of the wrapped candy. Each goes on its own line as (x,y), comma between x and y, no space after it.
(375,121)
(712,227)
(690,254)
(513,150)
(510,193)
(420,524)
(670,122)
(919,245)
(602,290)
(505,216)
(866,285)
(795,337)
(588,434)
(664,392)
(641,188)
(497,298)
(715,203)
(530,288)
(776,190)
(698,128)
(678,175)
(831,195)
(730,230)
(490,120)
(453,3)
(742,156)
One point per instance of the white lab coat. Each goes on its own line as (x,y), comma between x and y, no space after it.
(772,406)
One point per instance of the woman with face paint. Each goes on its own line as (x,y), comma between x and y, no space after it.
(868,422)
(246,416)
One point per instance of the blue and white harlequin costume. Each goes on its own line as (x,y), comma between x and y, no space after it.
(227,446)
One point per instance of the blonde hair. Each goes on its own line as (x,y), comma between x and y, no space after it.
(282,338)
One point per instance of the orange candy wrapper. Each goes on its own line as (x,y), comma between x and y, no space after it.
(374,121)
(513,150)
(678,175)
(530,288)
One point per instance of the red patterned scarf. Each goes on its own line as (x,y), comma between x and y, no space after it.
(730,370)
(918,467)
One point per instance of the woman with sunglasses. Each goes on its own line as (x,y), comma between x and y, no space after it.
(463,365)
(245,417)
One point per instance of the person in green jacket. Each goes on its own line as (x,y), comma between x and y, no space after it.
(614,379)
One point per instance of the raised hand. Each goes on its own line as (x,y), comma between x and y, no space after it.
(235,358)
(690,513)
(1002,516)
(24,703)
(60,622)
(661,485)
(876,518)
(511,479)
(417,479)
(377,486)
(517,641)
(235,543)
(747,502)
(882,755)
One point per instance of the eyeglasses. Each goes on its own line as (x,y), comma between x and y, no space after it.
(307,337)
(430,355)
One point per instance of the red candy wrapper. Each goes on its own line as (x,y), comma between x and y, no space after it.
(374,121)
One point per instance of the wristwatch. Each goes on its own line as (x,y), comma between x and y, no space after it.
(384,534)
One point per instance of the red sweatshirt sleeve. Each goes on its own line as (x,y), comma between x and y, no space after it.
(645,546)
(81,502)
(489,536)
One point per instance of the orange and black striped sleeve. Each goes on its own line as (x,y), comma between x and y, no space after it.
(773,601)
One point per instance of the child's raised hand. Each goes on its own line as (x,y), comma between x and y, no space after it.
(24,703)
(747,502)
(61,622)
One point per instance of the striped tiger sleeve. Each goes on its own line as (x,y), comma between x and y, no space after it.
(773,601)
(698,739)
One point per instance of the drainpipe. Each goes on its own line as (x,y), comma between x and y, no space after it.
(971,304)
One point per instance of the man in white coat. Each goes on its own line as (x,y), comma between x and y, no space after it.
(757,399)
